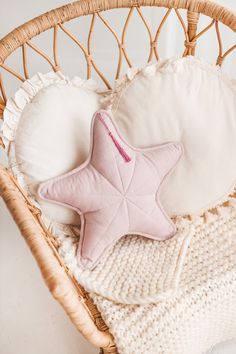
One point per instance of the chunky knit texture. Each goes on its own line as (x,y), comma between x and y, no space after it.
(190,323)
(140,271)
(204,311)
(136,270)
(198,312)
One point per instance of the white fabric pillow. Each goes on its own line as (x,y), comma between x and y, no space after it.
(190,101)
(47,127)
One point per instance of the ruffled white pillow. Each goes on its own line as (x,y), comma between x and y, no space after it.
(46,129)
(190,101)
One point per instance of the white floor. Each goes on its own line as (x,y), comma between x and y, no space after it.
(31,322)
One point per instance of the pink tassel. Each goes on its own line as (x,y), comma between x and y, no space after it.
(123,153)
(120,148)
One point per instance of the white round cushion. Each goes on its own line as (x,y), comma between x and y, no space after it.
(48,121)
(190,101)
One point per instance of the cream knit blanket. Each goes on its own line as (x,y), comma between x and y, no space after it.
(136,270)
(190,323)
(203,313)
(174,297)
(142,271)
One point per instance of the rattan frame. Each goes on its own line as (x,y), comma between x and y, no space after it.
(42,243)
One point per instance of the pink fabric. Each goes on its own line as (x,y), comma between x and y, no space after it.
(115,191)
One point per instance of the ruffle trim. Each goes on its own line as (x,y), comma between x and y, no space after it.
(171,65)
(16,105)
(224,209)
(26,93)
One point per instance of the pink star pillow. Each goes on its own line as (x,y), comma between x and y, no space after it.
(115,191)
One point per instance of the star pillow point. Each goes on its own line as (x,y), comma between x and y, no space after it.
(115,191)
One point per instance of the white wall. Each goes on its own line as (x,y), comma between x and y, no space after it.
(31,322)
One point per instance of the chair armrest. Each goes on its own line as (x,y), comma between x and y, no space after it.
(73,300)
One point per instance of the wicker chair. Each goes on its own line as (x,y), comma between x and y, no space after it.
(42,243)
